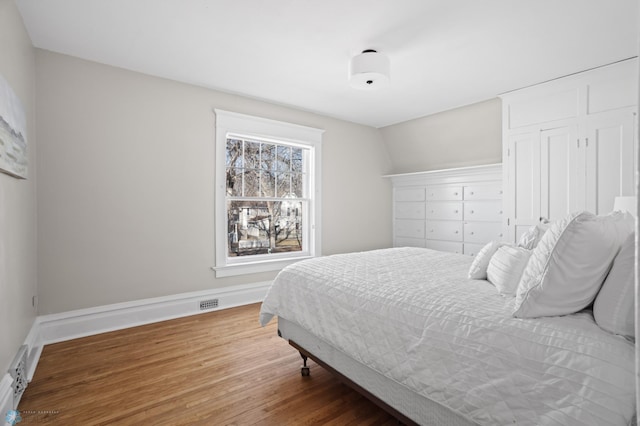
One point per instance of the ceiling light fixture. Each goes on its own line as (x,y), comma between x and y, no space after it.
(369,70)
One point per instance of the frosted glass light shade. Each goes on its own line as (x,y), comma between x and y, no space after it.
(369,70)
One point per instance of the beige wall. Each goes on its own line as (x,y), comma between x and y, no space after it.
(466,136)
(17,197)
(126,168)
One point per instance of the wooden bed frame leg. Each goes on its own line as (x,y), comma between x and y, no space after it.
(305,368)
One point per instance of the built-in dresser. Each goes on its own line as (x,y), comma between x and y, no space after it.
(456,210)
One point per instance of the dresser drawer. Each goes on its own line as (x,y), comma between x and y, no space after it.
(483,210)
(444,211)
(444,193)
(409,242)
(445,246)
(410,210)
(409,194)
(444,230)
(483,192)
(472,249)
(409,228)
(482,232)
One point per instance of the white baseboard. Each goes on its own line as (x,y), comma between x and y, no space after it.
(86,322)
(6,397)
(35,345)
(69,325)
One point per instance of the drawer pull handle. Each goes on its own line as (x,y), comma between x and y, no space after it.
(471,232)
(471,211)
(501,191)
(455,193)
(471,193)
(456,211)
(500,212)
(500,235)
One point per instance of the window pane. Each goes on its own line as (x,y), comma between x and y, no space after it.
(251,183)
(284,187)
(284,159)
(296,160)
(268,156)
(297,184)
(267,184)
(263,227)
(251,155)
(288,226)
(234,182)
(234,153)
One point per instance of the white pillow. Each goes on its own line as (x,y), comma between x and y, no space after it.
(613,308)
(625,224)
(532,237)
(505,268)
(568,266)
(478,269)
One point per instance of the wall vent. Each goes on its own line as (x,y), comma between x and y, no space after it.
(208,304)
(18,371)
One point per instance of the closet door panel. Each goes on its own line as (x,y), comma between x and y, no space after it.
(560,193)
(541,109)
(523,165)
(610,159)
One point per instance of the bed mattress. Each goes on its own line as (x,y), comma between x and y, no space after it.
(412,316)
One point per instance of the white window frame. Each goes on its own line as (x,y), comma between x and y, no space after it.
(232,123)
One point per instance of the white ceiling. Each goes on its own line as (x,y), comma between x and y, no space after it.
(444,53)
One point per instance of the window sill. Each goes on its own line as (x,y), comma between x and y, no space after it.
(255,267)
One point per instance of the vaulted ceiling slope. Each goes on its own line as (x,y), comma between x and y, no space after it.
(444,53)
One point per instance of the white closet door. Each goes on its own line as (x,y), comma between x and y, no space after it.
(560,170)
(610,157)
(523,182)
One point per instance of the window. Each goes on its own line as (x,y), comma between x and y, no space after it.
(267,193)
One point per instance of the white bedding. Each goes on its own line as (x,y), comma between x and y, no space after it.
(412,315)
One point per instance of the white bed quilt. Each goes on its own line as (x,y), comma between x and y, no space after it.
(412,315)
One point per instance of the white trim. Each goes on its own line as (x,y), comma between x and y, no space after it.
(6,397)
(231,270)
(231,122)
(86,322)
(488,172)
(266,128)
(34,348)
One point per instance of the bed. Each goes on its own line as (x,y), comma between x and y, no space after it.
(410,329)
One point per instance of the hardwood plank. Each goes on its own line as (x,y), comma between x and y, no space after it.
(217,368)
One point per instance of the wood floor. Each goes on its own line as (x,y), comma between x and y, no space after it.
(218,368)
